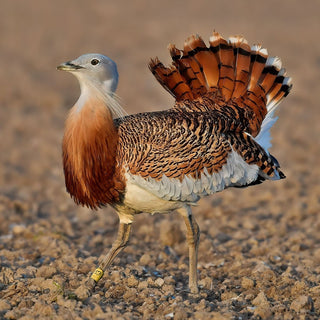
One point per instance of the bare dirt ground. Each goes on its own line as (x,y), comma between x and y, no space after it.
(259,255)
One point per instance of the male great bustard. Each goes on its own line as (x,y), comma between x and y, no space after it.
(215,136)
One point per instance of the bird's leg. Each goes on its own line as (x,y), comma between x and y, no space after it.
(193,235)
(119,244)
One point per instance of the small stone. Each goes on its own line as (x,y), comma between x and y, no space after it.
(201,305)
(159,282)
(94,312)
(130,294)
(298,289)
(263,311)
(117,292)
(247,283)
(180,314)
(115,276)
(150,282)
(206,315)
(4,305)
(43,308)
(168,289)
(264,271)
(46,271)
(142,285)
(263,306)
(206,283)
(169,315)
(133,281)
(18,229)
(223,237)
(228,295)
(7,275)
(302,303)
(169,280)
(145,259)
(28,272)
(67,303)
(11,315)
(27,303)
(260,299)
(84,268)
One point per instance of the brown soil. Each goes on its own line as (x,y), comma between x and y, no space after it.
(259,255)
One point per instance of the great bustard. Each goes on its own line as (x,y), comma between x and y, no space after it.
(215,136)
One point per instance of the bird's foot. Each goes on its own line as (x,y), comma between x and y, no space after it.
(85,290)
(194,290)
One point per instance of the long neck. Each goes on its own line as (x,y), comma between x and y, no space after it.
(89,151)
(93,91)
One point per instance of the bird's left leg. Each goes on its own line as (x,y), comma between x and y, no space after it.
(193,235)
(118,245)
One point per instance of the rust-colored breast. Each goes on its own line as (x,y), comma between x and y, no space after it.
(89,150)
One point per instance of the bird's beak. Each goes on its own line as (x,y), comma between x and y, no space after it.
(69,66)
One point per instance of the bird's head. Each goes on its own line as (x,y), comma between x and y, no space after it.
(95,70)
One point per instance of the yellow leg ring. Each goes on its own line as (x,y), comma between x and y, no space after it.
(97,274)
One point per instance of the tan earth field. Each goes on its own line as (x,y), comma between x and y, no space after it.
(259,254)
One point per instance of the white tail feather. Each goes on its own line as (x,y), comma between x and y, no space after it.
(264,136)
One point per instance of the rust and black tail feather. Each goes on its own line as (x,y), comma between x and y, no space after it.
(208,63)
(259,57)
(242,53)
(190,71)
(225,56)
(229,73)
(171,79)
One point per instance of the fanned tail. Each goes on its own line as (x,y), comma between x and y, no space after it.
(230,74)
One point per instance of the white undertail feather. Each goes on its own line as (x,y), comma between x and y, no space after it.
(264,136)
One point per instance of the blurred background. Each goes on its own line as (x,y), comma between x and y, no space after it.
(37,35)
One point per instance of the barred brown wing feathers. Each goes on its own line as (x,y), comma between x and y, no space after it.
(191,146)
(253,153)
(179,155)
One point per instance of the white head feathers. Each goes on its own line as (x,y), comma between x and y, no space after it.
(97,75)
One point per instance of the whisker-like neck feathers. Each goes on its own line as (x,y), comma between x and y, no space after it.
(102,93)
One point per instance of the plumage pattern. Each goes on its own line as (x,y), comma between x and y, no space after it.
(244,77)
(216,136)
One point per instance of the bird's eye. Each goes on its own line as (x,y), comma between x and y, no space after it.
(94,62)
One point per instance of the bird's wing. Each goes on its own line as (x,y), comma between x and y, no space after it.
(181,156)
